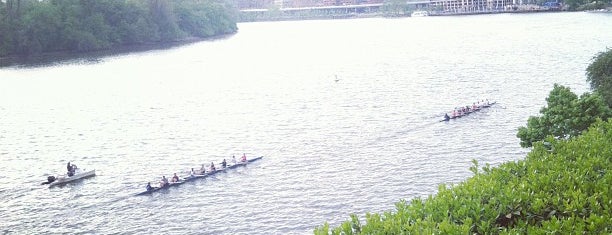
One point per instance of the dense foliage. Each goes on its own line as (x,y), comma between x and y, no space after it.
(599,75)
(565,116)
(561,188)
(396,8)
(37,26)
(584,5)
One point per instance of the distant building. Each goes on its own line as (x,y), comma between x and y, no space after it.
(253,4)
(467,6)
(440,6)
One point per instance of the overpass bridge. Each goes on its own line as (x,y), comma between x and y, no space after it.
(436,7)
(342,11)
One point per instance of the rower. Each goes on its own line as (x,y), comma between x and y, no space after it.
(212,166)
(474,107)
(446,117)
(223,163)
(243,159)
(203,169)
(233,159)
(149,188)
(163,181)
(192,172)
(175,178)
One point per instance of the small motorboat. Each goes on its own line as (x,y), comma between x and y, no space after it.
(77,174)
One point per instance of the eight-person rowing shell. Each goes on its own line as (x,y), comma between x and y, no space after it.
(193,174)
(462,111)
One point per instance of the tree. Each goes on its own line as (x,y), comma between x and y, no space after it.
(395,7)
(4,30)
(573,4)
(599,75)
(565,116)
(560,188)
(38,26)
(162,14)
(40,29)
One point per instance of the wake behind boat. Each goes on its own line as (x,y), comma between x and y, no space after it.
(196,176)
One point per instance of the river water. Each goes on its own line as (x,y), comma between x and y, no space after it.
(331,148)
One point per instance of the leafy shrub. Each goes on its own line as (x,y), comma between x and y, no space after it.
(560,188)
(85,25)
(566,115)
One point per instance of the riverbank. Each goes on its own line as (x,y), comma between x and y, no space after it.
(560,186)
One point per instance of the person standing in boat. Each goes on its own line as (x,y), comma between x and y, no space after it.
(149,188)
(175,178)
(69,169)
(223,164)
(72,169)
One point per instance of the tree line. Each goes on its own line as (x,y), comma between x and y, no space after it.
(583,5)
(568,115)
(561,187)
(37,26)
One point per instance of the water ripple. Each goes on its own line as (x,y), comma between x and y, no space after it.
(331,148)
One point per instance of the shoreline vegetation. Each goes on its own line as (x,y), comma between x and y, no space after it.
(30,28)
(561,187)
(38,32)
(94,56)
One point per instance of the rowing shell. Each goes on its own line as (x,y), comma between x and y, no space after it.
(468,113)
(194,177)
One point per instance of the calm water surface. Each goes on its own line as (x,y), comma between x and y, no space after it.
(331,148)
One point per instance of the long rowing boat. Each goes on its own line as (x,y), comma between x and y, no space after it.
(194,177)
(469,112)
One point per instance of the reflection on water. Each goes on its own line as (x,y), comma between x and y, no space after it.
(331,147)
(93,57)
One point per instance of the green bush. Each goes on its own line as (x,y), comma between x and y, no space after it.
(85,25)
(599,75)
(562,187)
(566,115)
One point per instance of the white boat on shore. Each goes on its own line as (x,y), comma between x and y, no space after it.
(64,179)
(419,13)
